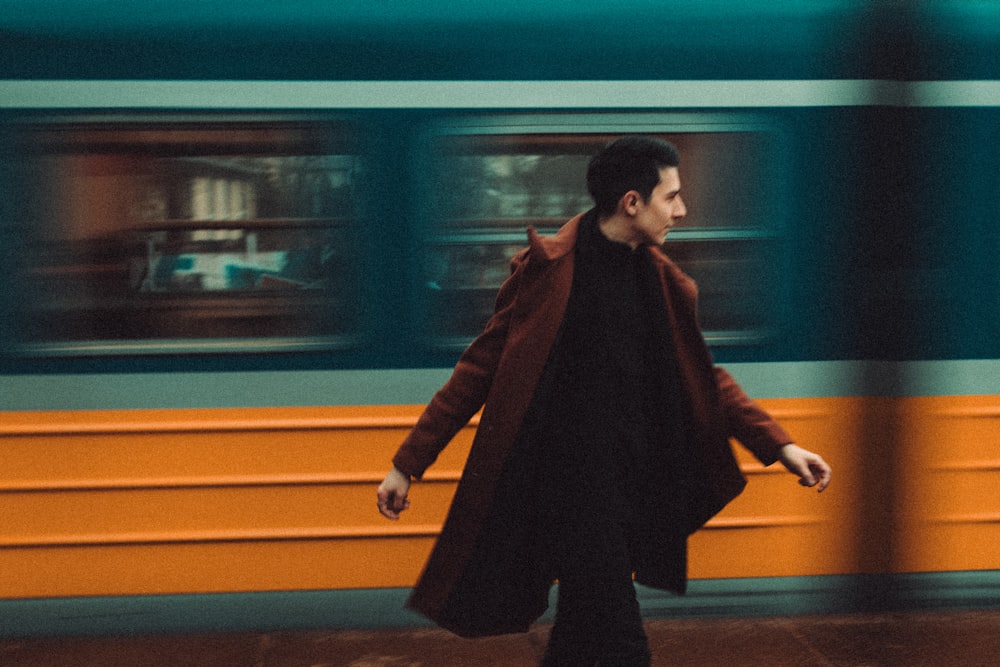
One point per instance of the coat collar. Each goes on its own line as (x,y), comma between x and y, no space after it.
(554,247)
(562,243)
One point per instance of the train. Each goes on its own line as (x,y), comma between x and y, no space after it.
(244,243)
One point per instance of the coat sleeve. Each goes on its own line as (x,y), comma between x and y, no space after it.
(464,394)
(746,421)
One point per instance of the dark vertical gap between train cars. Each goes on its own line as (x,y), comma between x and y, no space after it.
(875,279)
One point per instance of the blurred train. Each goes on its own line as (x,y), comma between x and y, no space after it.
(243,244)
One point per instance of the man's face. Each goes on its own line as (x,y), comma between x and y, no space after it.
(655,217)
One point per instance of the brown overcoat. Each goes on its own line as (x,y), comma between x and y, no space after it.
(500,371)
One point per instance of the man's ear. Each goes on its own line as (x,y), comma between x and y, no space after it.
(629,202)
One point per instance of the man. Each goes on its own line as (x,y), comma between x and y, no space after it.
(604,440)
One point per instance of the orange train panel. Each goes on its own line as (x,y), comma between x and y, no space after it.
(161,446)
(187,501)
(949,484)
(777,528)
(209,566)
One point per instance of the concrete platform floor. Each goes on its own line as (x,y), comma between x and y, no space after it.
(914,639)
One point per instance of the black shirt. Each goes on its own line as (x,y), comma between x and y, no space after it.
(604,428)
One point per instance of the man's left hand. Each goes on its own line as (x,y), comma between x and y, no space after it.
(811,468)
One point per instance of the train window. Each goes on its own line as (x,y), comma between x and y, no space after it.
(187,235)
(490,186)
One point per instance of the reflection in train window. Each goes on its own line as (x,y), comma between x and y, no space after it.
(735,284)
(167,236)
(490,187)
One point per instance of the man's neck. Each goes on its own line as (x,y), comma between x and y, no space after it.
(616,228)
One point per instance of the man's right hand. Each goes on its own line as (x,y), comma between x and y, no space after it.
(392,494)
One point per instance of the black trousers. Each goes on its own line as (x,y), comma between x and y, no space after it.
(598,621)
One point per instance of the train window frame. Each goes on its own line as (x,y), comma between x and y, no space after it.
(769,233)
(185,136)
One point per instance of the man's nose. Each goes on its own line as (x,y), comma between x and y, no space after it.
(680,210)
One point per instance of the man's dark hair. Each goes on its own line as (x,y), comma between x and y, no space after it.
(628,163)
